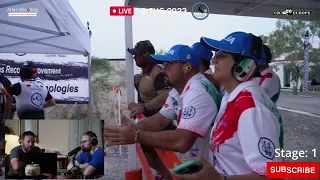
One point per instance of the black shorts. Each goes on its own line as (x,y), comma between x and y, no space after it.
(35,114)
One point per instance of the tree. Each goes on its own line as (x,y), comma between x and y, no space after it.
(161,52)
(287,42)
(100,65)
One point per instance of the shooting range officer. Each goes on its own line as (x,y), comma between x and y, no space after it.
(31,97)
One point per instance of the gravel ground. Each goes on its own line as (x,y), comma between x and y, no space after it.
(301,133)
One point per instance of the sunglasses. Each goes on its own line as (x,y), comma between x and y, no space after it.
(168,63)
(220,55)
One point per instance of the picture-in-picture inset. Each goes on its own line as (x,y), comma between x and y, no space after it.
(59,149)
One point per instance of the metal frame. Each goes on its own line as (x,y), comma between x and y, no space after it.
(130,85)
(53,34)
(15,3)
(90,95)
(251,6)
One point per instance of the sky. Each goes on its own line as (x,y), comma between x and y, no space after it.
(163,30)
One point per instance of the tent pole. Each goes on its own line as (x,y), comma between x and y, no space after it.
(130,85)
(133,173)
(89,114)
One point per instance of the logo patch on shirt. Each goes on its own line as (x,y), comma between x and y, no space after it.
(188,112)
(148,76)
(37,99)
(166,105)
(266,148)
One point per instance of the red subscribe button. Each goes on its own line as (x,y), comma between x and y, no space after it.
(292,169)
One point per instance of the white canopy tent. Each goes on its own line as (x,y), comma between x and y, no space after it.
(254,8)
(53,28)
(43,27)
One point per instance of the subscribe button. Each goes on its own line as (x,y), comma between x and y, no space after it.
(292,169)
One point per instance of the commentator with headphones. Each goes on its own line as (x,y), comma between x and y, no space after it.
(91,160)
(248,124)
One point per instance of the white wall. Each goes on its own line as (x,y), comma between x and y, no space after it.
(280,73)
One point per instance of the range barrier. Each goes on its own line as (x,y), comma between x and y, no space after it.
(169,159)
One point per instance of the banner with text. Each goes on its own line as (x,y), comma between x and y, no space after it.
(65,76)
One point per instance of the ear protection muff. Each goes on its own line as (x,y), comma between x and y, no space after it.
(147,56)
(245,68)
(34,70)
(94,141)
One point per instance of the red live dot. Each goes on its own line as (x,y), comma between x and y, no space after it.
(292,170)
(121,10)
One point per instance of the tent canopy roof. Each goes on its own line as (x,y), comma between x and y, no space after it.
(52,28)
(255,8)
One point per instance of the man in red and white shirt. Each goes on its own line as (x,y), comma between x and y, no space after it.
(248,126)
(193,103)
(269,81)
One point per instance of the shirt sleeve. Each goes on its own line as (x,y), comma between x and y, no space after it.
(167,109)
(259,136)
(49,97)
(80,158)
(14,89)
(159,82)
(15,153)
(97,159)
(198,111)
(5,81)
(271,85)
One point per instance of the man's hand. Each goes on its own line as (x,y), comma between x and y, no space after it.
(120,135)
(206,173)
(132,105)
(136,110)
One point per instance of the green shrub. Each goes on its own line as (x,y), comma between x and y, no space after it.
(99,65)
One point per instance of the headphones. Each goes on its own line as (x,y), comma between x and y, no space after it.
(93,139)
(245,68)
(34,70)
(147,56)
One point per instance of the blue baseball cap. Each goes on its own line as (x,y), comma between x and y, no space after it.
(179,52)
(237,42)
(202,51)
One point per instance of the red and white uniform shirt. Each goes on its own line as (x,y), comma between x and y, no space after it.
(246,131)
(270,82)
(195,110)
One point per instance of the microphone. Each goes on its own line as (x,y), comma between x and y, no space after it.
(75,151)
